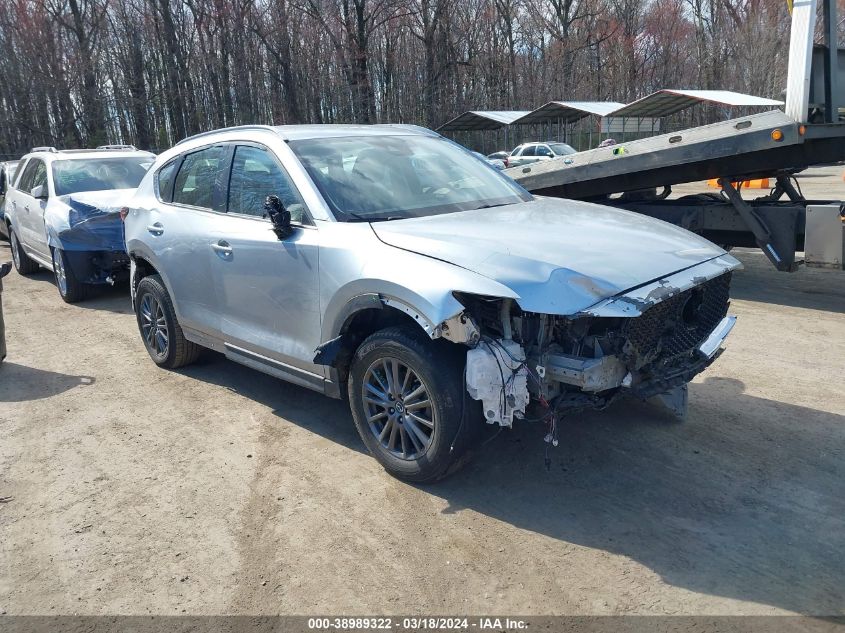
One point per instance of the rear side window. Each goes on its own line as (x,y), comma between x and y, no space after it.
(164,180)
(198,178)
(528,151)
(255,175)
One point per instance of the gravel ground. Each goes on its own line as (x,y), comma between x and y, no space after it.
(126,489)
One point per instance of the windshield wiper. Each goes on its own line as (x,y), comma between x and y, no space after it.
(491,206)
(357,217)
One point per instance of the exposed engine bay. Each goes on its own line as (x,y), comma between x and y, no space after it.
(567,363)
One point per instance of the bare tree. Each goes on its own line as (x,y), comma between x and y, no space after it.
(150,72)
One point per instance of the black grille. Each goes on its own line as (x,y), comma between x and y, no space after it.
(679,324)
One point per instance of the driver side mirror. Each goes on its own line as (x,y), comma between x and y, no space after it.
(279,216)
(39,192)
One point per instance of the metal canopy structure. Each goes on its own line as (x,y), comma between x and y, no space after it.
(568,111)
(665,102)
(476,120)
(656,105)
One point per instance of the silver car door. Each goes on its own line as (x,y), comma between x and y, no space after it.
(181,224)
(35,209)
(543,152)
(268,287)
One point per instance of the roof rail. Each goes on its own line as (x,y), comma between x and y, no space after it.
(228,129)
(45,148)
(130,147)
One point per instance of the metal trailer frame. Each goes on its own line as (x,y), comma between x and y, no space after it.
(730,151)
(771,144)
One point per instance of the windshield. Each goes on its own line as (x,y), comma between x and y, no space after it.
(387,177)
(99,174)
(561,149)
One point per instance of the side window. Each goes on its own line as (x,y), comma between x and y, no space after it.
(164,180)
(197,179)
(255,175)
(39,176)
(25,182)
(543,150)
(529,150)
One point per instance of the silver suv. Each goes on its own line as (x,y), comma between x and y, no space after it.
(391,266)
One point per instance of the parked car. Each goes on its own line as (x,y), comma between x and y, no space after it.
(7,175)
(498,156)
(535,152)
(498,164)
(62,213)
(386,264)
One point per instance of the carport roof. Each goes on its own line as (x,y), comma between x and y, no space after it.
(568,111)
(665,102)
(481,120)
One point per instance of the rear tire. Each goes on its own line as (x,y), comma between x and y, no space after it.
(70,288)
(162,335)
(23,264)
(421,428)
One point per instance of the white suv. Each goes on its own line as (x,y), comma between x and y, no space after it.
(61,212)
(536,152)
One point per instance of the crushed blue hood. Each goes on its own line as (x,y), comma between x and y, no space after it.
(88,221)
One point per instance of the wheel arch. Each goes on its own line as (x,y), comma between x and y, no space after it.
(364,316)
(140,267)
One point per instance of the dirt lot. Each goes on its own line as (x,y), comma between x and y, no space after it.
(130,490)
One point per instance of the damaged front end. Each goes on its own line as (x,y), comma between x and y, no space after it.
(90,232)
(646,346)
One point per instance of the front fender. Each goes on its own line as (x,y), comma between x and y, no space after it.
(138,250)
(428,312)
(358,271)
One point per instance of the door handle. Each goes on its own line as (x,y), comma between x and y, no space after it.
(222,248)
(156,228)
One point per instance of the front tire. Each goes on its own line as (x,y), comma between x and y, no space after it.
(160,331)
(70,288)
(23,264)
(409,405)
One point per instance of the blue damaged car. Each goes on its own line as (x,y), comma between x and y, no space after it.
(62,213)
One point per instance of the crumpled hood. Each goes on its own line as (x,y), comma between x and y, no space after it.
(87,221)
(559,256)
(108,200)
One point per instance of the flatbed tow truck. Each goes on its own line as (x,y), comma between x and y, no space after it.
(639,175)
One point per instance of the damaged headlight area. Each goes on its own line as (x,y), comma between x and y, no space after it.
(568,363)
(91,237)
